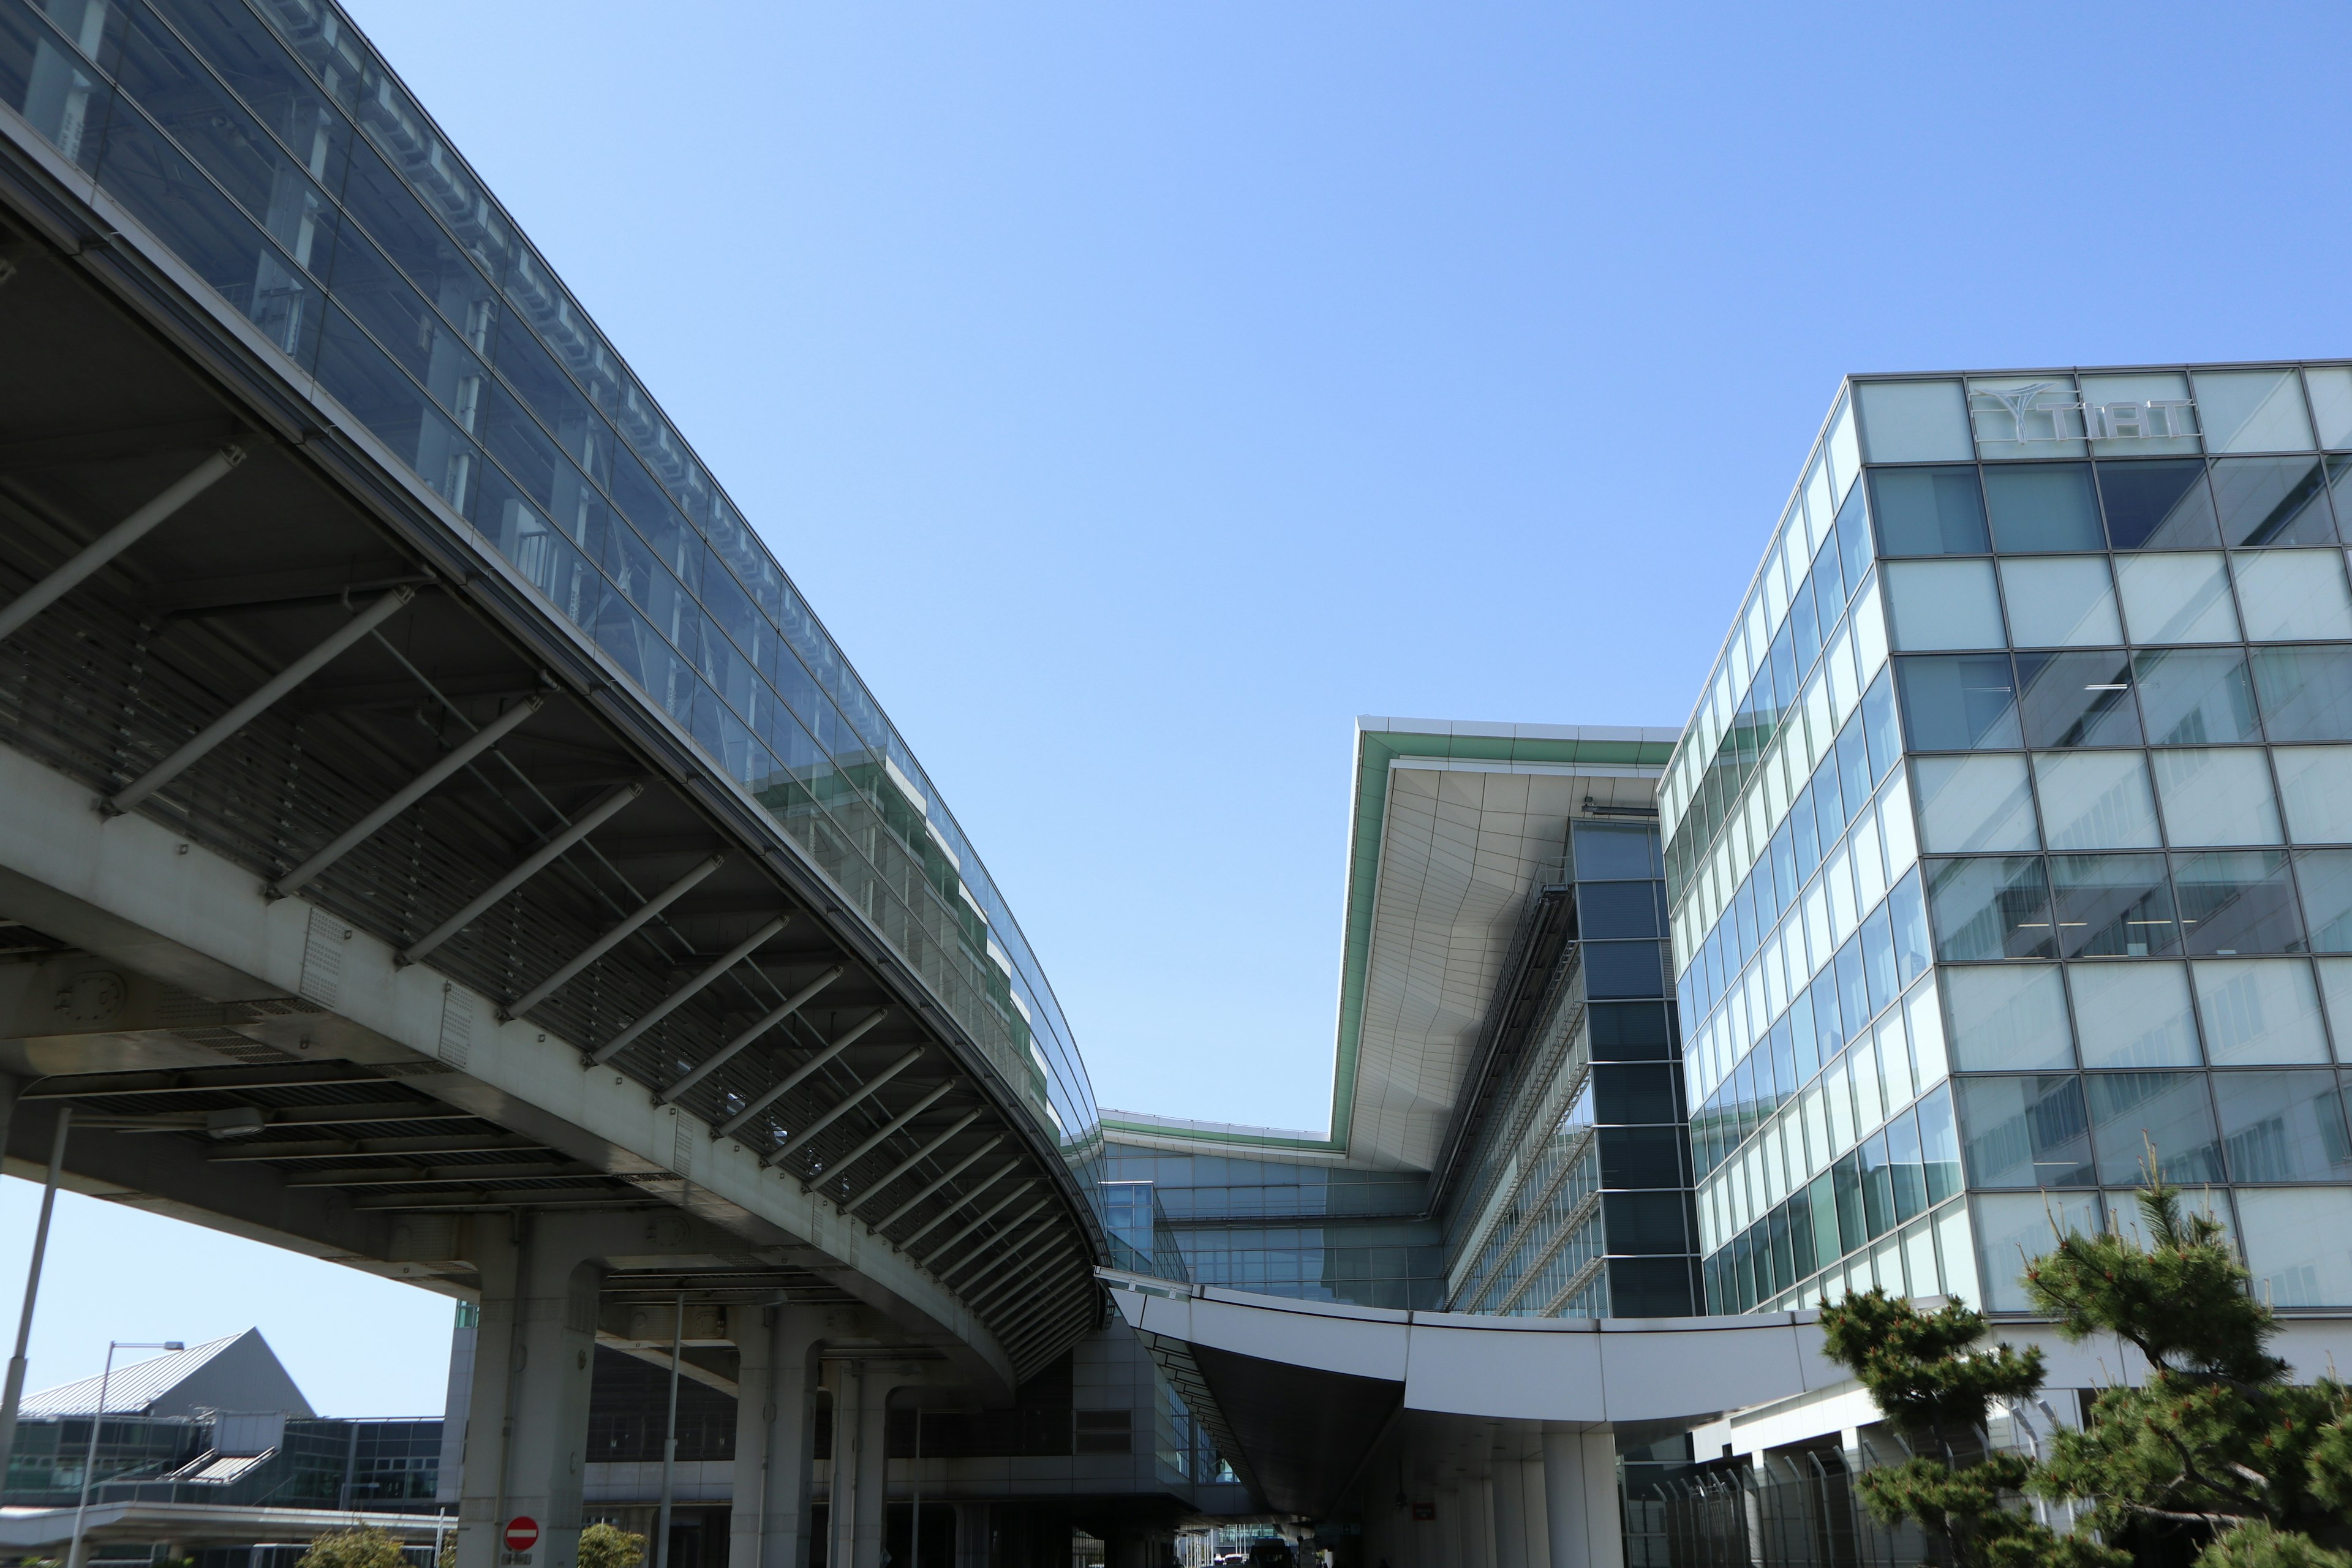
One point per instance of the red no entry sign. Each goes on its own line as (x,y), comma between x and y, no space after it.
(522,1532)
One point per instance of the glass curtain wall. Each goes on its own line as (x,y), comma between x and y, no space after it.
(2102,875)
(1578,1201)
(277,160)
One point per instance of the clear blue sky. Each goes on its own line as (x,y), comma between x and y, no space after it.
(1140,392)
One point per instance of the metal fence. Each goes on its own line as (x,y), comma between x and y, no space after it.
(1799,1510)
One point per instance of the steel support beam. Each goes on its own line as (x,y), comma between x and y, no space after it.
(611,938)
(118,539)
(687,992)
(896,1124)
(980,1301)
(767,1021)
(200,745)
(800,1140)
(595,816)
(1013,1195)
(938,1142)
(465,752)
(950,1174)
(1049,1326)
(1008,1252)
(1023,1328)
(955,1272)
(800,1073)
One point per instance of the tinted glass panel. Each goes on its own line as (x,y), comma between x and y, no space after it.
(1990,907)
(2193,697)
(2160,505)
(2113,906)
(2237,902)
(2273,500)
(1958,703)
(2305,692)
(1928,511)
(2024,1131)
(2043,507)
(2131,1111)
(2077,699)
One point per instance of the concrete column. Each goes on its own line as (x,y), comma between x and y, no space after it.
(526,1421)
(1581,1501)
(873,1469)
(788,1439)
(848,1383)
(971,1535)
(1509,1517)
(1534,1519)
(755,1416)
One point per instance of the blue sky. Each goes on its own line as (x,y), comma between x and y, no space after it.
(1141,392)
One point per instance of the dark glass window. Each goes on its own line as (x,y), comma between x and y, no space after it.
(1803,839)
(1645,1222)
(1958,703)
(1928,511)
(1854,765)
(2041,507)
(1829,809)
(1623,969)
(2131,1111)
(1846,1182)
(1650,1288)
(2024,1131)
(1990,907)
(2077,699)
(2305,692)
(1623,1093)
(1641,1156)
(1853,988)
(1631,1031)
(1618,908)
(2113,906)
(1780,1044)
(2194,697)
(2159,505)
(1821,1197)
(2237,900)
(1609,850)
(2273,500)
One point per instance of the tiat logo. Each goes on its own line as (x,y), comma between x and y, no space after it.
(2050,411)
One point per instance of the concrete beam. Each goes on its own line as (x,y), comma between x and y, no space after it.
(138,895)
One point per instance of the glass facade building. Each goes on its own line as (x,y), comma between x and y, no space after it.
(1577,1201)
(269,150)
(2008,841)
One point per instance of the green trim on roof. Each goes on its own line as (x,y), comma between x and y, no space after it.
(1376,749)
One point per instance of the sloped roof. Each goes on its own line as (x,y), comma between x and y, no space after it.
(239,1372)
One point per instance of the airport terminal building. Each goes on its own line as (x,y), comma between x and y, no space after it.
(442,838)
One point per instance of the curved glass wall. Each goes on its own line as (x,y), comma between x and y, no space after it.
(270,151)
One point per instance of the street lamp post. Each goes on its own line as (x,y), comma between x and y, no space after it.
(90,1458)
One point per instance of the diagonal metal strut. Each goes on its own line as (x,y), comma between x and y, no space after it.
(118,539)
(685,993)
(793,1080)
(767,1021)
(465,752)
(595,816)
(611,938)
(849,1103)
(128,796)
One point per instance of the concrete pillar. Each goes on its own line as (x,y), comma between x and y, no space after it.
(527,1420)
(971,1535)
(1581,1501)
(1535,1519)
(755,1416)
(788,1439)
(873,1469)
(848,1380)
(1509,1516)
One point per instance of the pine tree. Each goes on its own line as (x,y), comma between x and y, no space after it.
(1936,1388)
(2215,1446)
(365,1546)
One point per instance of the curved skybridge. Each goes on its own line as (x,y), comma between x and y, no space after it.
(439,837)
